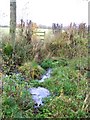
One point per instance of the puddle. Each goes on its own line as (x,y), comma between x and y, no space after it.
(38,94)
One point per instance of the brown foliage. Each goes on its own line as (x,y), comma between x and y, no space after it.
(82,29)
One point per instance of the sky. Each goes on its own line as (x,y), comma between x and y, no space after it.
(46,12)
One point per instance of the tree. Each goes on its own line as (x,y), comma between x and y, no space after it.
(12,21)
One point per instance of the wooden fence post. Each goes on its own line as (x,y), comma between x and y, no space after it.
(12,21)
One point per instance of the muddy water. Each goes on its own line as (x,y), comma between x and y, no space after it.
(47,75)
(39,93)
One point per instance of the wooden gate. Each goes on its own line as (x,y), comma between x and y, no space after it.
(40,34)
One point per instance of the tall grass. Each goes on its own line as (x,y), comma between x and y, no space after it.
(56,47)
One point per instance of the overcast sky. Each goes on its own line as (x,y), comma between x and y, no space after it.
(47,11)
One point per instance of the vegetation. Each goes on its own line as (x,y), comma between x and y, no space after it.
(17,101)
(68,83)
(31,70)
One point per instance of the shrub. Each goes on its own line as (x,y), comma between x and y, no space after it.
(7,49)
(7,57)
(31,70)
(51,63)
(47,63)
(23,50)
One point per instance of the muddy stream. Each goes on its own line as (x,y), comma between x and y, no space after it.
(39,93)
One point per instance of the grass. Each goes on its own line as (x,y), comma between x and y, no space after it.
(67,90)
(67,87)
(68,83)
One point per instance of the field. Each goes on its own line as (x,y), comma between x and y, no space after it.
(4,30)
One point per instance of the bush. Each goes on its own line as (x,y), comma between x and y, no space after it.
(47,63)
(8,49)
(51,63)
(23,51)
(7,57)
(31,70)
